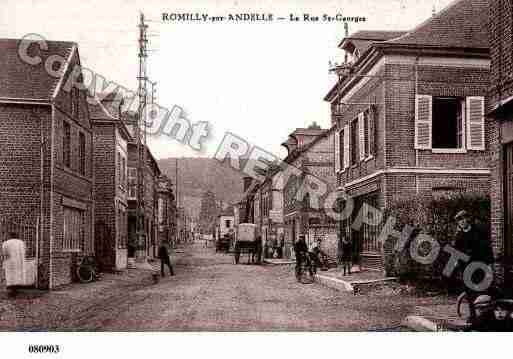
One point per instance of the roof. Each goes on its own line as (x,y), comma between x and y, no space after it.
(462,24)
(23,81)
(104,111)
(362,40)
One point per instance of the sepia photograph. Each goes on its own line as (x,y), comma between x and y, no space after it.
(279,172)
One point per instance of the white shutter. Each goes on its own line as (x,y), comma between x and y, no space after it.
(423,122)
(337,151)
(475,123)
(361,136)
(346,146)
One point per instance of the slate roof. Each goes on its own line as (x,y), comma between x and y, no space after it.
(462,24)
(23,81)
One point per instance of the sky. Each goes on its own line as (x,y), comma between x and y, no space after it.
(257,80)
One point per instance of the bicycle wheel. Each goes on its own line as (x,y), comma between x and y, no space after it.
(85,273)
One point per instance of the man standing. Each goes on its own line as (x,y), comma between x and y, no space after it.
(164,258)
(472,239)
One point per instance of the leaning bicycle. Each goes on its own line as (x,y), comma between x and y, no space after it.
(87,269)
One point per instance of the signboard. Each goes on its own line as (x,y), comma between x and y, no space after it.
(276,216)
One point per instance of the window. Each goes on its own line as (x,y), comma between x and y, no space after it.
(447,127)
(73,229)
(81,153)
(366,134)
(66,144)
(449,123)
(354,142)
(227,223)
(132,182)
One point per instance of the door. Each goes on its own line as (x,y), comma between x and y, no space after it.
(508,214)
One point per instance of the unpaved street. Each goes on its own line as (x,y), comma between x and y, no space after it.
(210,293)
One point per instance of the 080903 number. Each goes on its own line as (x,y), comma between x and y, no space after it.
(42,349)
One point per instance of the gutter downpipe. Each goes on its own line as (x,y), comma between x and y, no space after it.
(50,284)
(415,94)
(41,192)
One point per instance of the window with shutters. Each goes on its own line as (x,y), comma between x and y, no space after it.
(448,122)
(354,142)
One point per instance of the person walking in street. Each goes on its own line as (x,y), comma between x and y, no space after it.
(301,250)
(347,254)
(164,258)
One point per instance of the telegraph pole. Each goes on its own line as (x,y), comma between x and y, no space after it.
(141,139)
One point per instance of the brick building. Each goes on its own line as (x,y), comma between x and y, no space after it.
(111,137)
(166,210)
(143,244)
(500,111)
(311,151)
(408,109)
(46,171)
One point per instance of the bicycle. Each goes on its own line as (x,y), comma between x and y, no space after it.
(87,270)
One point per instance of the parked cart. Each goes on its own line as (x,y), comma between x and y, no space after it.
(248,242)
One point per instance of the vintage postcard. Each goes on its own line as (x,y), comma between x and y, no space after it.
(269,168)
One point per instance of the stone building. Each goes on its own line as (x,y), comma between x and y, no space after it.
(46,157)
(409,114)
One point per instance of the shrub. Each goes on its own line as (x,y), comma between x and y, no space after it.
(434,217)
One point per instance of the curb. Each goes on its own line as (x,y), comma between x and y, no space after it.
(334,283)
(420,324)
(280,263)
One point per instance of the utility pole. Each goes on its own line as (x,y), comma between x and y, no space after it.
(141,140)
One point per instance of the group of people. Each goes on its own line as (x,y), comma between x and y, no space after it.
(316,258)
(470,238)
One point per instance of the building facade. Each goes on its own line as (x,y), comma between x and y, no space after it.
(111,139)
(500,111)
(46,152)
(311,152)
(409,113)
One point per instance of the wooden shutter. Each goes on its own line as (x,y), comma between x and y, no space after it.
(337,151)
(361,136)
(346,146)
(423,122)
(475,123)
(372,138)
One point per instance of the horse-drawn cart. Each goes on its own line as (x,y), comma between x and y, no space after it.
(247,242)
